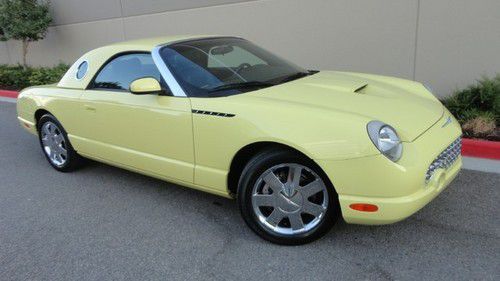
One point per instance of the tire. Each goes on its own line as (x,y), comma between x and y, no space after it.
(293,210)
(56,146)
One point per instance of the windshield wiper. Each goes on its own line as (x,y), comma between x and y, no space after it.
(295,76)
(241,85)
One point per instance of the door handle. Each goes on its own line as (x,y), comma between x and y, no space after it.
(89,108)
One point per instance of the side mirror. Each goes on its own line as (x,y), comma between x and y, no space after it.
(144,86)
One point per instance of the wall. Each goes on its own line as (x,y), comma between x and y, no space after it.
(444,43)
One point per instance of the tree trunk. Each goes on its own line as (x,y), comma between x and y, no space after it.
(25,53)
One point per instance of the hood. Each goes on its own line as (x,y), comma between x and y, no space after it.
(405,105)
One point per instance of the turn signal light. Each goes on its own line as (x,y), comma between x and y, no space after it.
(364,207)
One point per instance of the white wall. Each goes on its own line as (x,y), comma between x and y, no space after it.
(444,43)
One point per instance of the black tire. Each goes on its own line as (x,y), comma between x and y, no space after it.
(72,160)
(259,165)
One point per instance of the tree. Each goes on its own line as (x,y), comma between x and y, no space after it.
(24,20)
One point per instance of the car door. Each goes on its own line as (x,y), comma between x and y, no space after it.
(149,133)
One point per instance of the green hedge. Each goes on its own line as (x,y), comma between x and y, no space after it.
(478,105)
(17,78)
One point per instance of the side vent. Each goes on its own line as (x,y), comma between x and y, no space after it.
(360,89)
(212,113)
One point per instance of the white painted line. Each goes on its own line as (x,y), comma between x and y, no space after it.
(481,164)
(12,100)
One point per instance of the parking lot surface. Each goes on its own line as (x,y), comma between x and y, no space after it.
(105,223)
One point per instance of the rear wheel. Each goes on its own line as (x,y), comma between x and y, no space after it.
(55,144)
(286,198)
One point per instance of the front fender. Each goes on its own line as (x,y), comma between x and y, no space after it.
(26,106)
(318,133)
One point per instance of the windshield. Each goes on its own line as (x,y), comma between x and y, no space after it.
(226,66)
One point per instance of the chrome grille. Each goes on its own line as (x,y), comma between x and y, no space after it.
(445,159)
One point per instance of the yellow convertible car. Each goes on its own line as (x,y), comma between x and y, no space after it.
(297,148)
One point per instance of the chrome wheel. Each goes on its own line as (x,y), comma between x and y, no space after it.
(54,144)
(289,199)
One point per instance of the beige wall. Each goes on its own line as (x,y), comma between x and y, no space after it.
(444,43)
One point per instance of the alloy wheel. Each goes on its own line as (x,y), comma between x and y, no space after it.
(289,199)
(54,144)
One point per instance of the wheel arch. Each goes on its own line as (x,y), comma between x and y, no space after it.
(39,113)
(247,152)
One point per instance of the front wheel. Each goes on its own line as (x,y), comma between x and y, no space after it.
(286,198)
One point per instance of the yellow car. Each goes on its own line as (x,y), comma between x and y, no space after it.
(297,148)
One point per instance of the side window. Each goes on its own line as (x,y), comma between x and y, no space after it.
(233,58)
(121,71)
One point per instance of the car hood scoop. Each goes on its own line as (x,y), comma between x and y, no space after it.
(343,86)
(402,104)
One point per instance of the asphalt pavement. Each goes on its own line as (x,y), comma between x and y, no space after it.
(105,223)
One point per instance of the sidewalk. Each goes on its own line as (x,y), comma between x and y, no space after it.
(481,164)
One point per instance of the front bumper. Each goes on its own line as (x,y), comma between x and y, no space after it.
(397,189)
(391,210)
(28,125)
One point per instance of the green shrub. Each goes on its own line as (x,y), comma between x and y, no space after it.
(17,77)
(480,99)
(47,75)
(14,77)
(482,125)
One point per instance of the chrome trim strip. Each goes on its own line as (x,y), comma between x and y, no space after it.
(167,75)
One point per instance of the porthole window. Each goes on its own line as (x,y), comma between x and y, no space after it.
(82,70)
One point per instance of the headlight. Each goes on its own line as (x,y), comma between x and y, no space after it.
(385,138)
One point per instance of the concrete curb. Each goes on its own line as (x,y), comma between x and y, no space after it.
(481,164)
(481,149)
(11,100)
(9,94)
